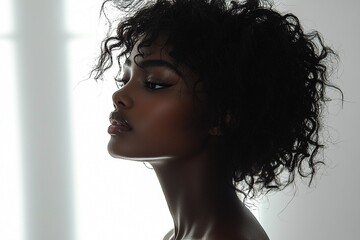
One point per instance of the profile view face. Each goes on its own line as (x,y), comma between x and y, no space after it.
(156,113)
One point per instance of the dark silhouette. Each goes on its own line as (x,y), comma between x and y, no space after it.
(224,99)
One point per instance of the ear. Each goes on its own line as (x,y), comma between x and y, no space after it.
(215,131)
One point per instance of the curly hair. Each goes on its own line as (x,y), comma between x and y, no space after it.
(265,79)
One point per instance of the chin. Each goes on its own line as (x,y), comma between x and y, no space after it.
(139,158)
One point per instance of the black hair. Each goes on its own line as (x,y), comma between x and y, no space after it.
(265,80)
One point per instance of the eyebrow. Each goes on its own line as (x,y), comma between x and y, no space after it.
(155,63)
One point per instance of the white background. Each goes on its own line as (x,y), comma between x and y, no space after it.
(56,179)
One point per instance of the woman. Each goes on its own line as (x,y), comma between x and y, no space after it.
(223,99)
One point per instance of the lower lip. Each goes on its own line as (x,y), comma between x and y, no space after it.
(118,129)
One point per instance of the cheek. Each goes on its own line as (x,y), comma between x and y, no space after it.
(172,129)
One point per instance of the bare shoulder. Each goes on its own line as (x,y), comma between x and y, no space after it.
(250,228)
(245,227)
(249,232)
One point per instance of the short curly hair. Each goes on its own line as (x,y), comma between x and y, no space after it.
(265,81)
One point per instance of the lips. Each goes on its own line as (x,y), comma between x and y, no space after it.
(118,124)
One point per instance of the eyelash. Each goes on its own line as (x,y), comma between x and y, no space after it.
(149,84)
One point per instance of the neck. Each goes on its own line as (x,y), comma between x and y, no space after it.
(197,199)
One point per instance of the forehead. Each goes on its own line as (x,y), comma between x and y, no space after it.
(160,50)
(157,50)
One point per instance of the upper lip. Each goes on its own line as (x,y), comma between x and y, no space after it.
(116,118)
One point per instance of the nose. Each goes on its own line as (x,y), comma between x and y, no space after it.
(121,99)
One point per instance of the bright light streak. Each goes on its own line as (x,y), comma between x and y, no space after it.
(11,197)
(6,18)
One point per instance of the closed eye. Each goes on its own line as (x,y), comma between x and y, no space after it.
(156,86)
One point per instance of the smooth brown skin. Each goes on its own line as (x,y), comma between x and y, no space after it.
(168,131)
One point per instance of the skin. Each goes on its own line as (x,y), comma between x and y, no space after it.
(168,131)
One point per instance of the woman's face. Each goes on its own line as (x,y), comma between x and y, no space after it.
(156,115)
